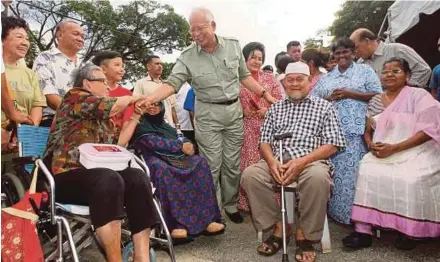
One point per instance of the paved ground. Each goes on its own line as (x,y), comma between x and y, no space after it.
(239,243)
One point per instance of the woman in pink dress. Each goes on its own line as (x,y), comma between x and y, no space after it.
(254,110)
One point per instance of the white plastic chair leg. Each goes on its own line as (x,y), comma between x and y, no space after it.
(290,206)
(325,241)
(260,237)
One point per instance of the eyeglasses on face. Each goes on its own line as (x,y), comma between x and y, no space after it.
(393,71)
(197,29)
(102,80)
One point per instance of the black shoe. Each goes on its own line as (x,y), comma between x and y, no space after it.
(357,240)
(404,243)
(235,217)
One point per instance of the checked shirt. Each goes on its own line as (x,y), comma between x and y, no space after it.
(313,123)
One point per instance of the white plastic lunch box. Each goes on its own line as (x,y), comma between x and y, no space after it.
(104,156)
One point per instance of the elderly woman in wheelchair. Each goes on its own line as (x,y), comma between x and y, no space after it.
(183,180)
(84,117)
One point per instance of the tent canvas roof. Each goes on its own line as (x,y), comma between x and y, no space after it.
(403,15)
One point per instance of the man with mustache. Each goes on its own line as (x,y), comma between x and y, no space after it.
(55,66)
(216,67)
(316,135)
(150,83)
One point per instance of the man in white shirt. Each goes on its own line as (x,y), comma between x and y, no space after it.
(148,85)
(54,67)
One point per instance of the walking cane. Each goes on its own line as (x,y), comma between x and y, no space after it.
(280,138)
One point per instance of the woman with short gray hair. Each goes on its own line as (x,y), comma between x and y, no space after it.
(84,116)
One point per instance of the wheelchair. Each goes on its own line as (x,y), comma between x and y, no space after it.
(59,221)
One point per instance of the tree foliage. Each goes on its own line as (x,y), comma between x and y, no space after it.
(167,67)
(357,14)
(135,30)
(312,43)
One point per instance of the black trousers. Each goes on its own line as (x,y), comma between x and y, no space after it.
(107,192)
(47,121)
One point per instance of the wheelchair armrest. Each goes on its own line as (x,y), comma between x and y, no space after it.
(24,160)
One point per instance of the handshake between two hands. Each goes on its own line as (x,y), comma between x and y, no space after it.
(144,105)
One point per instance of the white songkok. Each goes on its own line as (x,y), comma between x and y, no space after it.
(298,68)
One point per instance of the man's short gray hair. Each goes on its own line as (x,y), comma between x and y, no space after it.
(61,24)
(84,72)
(208,14)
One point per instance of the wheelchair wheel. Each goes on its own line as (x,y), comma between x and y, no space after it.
(13,188)
(128,252)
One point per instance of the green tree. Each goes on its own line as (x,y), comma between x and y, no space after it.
(135,29)
(312,43)
(357,14)
(167,67)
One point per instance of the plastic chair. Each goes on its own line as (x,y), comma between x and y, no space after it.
(291,198)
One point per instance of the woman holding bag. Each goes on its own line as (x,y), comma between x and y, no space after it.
(85,117)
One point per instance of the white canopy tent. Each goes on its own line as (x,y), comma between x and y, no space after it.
(416,24)
(404,15)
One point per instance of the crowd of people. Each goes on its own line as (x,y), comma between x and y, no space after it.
(364,147)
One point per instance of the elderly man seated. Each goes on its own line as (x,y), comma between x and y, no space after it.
(316,136)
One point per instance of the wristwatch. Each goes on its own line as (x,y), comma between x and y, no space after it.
(264,92)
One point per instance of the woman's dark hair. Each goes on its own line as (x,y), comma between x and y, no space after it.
(319,58)
(283,62)
(344,42)
(278,57)
(401,61)
(102,56)
(250,48)
(268,68)
(10,23)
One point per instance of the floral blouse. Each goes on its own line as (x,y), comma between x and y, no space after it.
(81,118)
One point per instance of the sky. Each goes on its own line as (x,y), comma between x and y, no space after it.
(274,23)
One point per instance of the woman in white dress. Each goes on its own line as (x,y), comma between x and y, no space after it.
(398,183)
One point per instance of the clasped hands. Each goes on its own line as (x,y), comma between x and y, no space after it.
(382,150)
(338,94)
(287,173)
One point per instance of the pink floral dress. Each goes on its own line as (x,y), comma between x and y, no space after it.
(250,153)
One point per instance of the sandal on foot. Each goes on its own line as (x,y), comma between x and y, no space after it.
(214,229)
(271,246)
(304,246)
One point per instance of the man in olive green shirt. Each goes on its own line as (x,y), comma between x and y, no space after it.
(216,66)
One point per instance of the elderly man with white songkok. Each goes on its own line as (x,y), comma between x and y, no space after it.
(316,136)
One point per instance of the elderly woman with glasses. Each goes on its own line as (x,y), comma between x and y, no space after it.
(349,86)
(84,116)
(398,185)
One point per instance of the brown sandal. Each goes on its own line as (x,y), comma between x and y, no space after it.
(271,246)
(302,247)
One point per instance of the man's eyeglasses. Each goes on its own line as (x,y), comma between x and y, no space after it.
(198,29)
(339,53)
(102,80)
(394,71)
